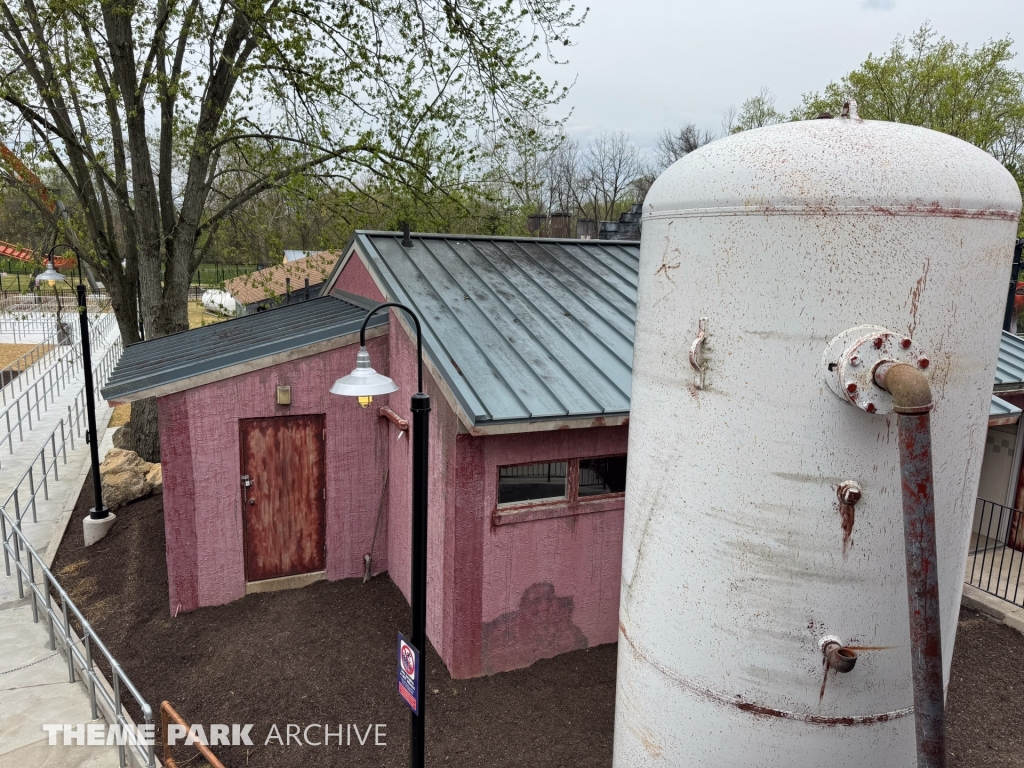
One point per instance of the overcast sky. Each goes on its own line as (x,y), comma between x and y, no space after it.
(645,65)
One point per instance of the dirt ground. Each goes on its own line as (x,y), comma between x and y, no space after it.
(10,353)
(326,654)
(985,710)
(120,415)
(198,316)
(323,654)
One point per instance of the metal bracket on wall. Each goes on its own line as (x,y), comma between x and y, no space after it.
(697,348)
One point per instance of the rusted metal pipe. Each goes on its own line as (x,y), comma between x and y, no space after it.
(394,418)
(837,656)
(167,714)
(912,403)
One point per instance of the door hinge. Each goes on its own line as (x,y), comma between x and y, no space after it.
(325,494)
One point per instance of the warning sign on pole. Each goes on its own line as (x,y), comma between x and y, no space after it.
(409,673)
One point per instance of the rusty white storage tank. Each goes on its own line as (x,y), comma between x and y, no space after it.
(764,525)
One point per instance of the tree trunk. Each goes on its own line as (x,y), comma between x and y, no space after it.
(142,432)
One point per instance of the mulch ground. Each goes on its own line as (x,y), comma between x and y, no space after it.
(322,654)
(326,654)
(985,701)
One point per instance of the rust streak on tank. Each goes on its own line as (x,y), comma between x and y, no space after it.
(754,708)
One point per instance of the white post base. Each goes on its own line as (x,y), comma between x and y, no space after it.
(96,529)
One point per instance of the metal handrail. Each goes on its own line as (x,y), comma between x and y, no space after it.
(103,695)
(19,367)
(12,299)
(68,429)
(25,327)
(16,373)
(51,380)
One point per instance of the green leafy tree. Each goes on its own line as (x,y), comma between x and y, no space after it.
(165,117)
(928,80)
(756,112)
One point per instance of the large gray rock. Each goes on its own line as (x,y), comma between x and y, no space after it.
(155,477)
(125,477)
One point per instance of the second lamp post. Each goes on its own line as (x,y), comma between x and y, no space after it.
(363,383)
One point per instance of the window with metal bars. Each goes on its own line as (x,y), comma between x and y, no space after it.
(569,480)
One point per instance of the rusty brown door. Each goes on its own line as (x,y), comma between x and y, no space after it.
(284,501)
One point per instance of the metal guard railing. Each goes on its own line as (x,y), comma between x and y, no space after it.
(997,551)
(67,429)
(45,386)
(104,696)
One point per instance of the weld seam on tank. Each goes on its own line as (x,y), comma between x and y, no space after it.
(754,708)
(908,210)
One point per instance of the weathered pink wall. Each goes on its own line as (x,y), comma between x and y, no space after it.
(498,597)
(546,586)
(355,278)
(441,463)
(202,491)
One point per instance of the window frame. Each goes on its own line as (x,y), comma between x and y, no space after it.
(562,506)
(613,494)
(535,502)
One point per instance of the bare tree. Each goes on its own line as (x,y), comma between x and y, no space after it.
(729,119)
(567,177)
(613,166)
(673,145)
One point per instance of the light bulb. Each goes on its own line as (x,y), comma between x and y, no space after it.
(51,283)
(365,400)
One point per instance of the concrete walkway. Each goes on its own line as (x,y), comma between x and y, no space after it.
(34,687)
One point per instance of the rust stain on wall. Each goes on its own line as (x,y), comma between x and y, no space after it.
(541,627)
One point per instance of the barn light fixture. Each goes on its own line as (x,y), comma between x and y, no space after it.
(364,383)
(50,276)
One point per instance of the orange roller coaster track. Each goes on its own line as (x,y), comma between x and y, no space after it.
(14,163)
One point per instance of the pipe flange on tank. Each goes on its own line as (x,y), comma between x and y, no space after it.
(850,359)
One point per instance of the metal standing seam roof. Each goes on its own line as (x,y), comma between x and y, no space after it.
(182,357)
(1010,368)
(520,328)
(1000,409)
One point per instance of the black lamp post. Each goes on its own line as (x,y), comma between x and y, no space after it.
(364,383)
(98,512)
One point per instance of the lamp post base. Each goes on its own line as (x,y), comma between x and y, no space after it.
(95,530)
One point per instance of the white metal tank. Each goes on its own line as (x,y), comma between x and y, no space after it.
(219,302)
(737,558)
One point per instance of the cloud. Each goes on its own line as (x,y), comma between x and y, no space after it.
(878,5)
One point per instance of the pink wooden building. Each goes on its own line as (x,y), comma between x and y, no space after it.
(270,482)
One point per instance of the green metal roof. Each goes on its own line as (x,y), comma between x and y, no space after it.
(187,359)
(521,329)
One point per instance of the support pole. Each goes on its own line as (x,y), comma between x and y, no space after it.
(420,437)
(98,512)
